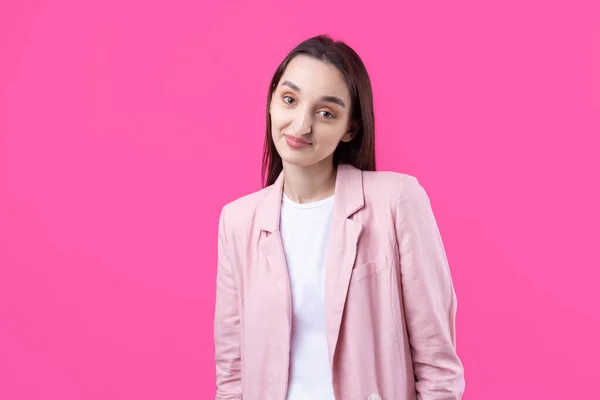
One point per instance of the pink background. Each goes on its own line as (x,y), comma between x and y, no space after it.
(126,125)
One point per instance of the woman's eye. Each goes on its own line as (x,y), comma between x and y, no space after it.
(288,99)
(326,114)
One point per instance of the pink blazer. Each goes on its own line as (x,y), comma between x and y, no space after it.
(390,302)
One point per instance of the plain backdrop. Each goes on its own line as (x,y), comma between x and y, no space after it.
(126,125)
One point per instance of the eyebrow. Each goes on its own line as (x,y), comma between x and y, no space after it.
(330,99)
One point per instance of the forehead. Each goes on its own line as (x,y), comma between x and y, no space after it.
(315,78)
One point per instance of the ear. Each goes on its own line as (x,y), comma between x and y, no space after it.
(348,136)
(351,133)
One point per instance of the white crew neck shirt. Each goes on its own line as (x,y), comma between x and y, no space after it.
(305,235)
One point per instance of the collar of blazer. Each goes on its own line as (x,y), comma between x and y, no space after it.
(349,198)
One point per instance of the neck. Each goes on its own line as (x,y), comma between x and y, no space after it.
(309,184)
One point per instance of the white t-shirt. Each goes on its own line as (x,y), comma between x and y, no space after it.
(305,235)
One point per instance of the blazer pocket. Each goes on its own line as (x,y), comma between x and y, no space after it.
(371,268)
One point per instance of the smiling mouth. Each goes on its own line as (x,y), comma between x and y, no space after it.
(296,143)
(297,139)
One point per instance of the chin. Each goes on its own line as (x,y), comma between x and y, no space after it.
(298,160)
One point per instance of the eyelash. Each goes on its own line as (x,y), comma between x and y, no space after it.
(328,112)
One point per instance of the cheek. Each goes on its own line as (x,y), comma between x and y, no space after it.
(280,119)
(277,117)
(330,136)
(276,127)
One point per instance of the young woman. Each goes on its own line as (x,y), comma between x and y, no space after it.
(332,280)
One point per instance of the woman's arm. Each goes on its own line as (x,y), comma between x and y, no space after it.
(227,323)
(428,296)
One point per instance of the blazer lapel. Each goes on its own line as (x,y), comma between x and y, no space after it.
(270,243)
(342,247)
(272,248)
(345,233)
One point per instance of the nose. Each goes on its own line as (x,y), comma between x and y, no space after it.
(302,123)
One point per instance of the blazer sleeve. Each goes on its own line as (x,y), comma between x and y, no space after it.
(226,322)
(428,296)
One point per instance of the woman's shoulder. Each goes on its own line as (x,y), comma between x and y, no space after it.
(391,185)
(244,207)
(388,180)
(384,176)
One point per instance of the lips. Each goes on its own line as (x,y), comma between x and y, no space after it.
(296,142)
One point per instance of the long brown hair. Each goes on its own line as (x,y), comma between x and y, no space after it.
(360,151)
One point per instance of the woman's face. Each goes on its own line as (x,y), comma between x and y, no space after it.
(310,112)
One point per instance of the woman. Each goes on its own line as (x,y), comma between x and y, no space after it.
(332,280)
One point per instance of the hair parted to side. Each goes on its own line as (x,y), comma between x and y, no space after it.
(360,151)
